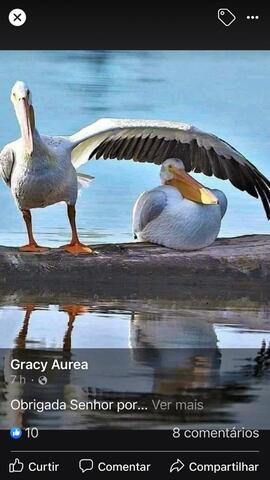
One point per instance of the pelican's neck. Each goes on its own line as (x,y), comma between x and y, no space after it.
(174,183)
(36,137)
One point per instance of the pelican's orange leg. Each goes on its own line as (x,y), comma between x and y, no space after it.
(75,245)
(72,311)
(32,246)
(21,338)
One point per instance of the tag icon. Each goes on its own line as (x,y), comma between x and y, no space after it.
(226,16)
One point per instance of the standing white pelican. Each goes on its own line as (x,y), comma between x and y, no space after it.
(40,170)
(180,214)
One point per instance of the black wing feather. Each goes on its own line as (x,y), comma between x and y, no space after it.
(156,149)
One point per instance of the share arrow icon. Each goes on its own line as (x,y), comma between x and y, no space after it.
(177,466)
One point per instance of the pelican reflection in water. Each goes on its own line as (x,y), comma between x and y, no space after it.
(192,368)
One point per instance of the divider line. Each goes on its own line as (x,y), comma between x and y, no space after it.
(135,451)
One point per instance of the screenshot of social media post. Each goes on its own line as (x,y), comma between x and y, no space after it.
(134,257)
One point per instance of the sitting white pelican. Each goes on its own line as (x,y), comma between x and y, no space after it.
(180,214)
(40,170)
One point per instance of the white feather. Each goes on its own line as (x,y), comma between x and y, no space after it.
(182,224)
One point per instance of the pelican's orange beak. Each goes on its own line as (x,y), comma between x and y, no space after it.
(193,190)
(27,133)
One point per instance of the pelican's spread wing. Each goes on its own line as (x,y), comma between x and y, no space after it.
(148,207)
(155,141)
(6,164)
(84,180)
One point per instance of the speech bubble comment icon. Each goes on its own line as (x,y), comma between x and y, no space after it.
(86,464)
(226,17)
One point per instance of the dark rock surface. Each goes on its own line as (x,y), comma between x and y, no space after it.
(232,268)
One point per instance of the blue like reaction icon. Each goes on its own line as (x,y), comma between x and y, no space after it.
(15,433)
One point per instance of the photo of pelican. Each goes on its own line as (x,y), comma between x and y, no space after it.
(183,214)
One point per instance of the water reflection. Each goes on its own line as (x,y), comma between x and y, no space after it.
(72,311)
(167,355)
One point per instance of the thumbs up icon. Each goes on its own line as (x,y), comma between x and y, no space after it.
(16,466)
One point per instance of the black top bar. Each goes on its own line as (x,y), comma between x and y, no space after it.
(165,25)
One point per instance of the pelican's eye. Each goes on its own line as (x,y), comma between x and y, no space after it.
(170,168)
(28,92)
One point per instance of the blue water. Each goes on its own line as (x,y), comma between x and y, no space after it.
(226,93)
